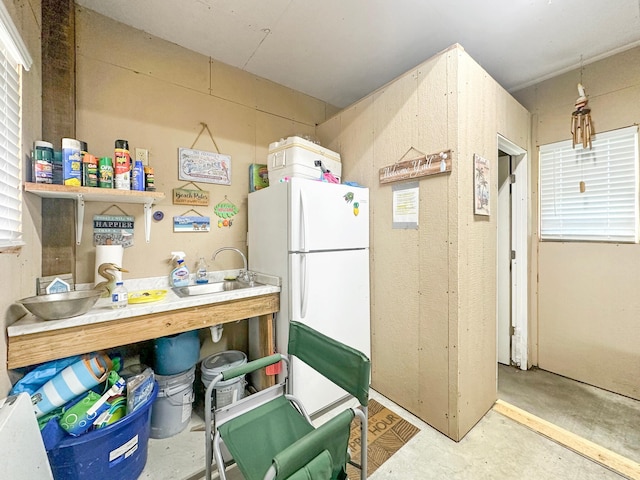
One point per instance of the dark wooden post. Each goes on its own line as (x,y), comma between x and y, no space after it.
(58,121)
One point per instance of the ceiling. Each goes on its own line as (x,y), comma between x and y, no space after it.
(341,50)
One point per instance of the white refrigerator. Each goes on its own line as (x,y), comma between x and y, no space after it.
(315,237)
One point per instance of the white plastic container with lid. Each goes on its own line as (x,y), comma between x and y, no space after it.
(297,157)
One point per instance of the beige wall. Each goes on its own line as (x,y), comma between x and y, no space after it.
(20,270)
(588,305)
(434,288)
(155,94)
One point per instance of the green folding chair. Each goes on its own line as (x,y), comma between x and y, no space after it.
(269,434)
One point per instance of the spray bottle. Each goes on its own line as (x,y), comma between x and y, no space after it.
(179,275)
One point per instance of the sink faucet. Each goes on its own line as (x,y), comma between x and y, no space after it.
(244,274)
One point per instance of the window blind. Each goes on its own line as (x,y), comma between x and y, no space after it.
(10,109)
(14,56)
(590,194)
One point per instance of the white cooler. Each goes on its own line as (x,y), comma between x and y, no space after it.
(296,157)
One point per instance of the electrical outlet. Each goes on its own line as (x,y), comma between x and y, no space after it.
(142,155)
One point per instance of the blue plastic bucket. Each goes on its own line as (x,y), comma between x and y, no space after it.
(118,451)
(176,353)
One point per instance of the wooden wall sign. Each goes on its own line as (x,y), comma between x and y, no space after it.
(182,196)
(421,166)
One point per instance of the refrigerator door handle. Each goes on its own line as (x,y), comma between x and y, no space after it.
(304,229)
(304,287)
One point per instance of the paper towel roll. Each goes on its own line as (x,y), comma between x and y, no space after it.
(108,254)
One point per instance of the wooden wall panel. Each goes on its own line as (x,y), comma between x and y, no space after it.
(477,253)
(156,94)
(58,121)
(436,203)
(433,289)
(586,314)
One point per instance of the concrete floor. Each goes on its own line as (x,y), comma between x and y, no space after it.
(497,448)
(610,420)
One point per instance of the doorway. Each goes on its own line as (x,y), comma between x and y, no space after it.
(512,253)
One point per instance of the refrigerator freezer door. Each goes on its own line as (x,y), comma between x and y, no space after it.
(329,291)
(327,216)
(23,453)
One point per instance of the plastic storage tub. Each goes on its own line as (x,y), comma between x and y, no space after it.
(118,451)
(226,392)
(296,157)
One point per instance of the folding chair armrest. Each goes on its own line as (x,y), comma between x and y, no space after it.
(252,366)
(300,453)
(319,467)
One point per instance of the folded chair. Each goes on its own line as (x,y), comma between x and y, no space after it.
(269,434)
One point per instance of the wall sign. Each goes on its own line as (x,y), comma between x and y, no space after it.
(182,196)
(421,166)
(201,166)
(183,224)
(113,230)
(481,192)
(225,210)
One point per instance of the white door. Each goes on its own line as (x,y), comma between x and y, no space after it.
(504,260)
(327,216)
(329,291)
(515,332)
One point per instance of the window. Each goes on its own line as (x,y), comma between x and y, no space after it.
(591,194)
(13,56)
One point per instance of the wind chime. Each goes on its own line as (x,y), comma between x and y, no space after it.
(581,130)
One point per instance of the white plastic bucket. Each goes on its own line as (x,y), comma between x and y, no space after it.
(228,391)
(172,409)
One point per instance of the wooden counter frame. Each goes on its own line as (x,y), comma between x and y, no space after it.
(30,349)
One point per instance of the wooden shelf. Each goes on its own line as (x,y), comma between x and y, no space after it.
(34,348)
(93,194)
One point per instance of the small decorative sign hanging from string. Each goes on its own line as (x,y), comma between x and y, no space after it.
(419,166)
(113,229)
(184,196)
(225,211)
(191,223)
(201,166)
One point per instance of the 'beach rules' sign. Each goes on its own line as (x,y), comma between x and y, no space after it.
(182,196)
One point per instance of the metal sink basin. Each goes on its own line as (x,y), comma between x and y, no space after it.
(215,287)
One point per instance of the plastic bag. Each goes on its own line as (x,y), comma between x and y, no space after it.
(40,375)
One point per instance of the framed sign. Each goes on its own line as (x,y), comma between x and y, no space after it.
(481,193)
(201,166)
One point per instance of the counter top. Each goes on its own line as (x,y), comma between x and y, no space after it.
(32,340)
(103,312)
